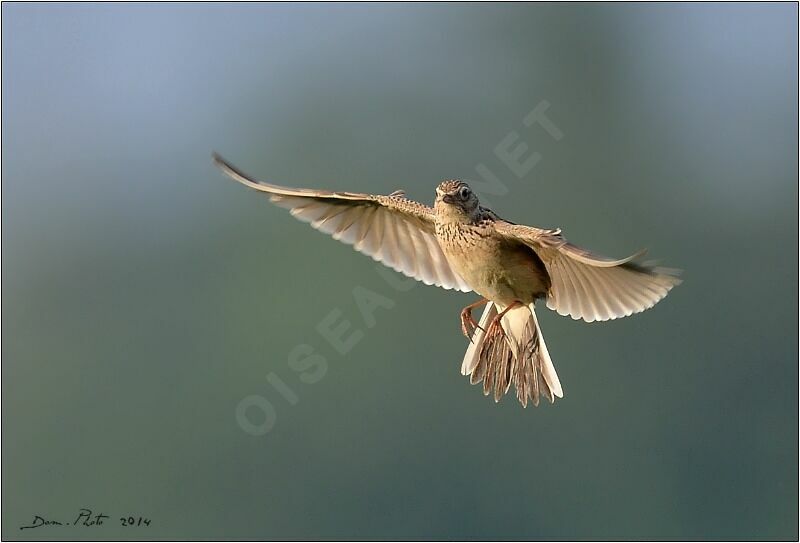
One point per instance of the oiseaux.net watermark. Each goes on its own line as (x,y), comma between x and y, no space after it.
(257,414)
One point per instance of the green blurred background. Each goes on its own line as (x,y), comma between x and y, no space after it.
(146,295)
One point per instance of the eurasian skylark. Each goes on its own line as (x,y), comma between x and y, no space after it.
(459,244)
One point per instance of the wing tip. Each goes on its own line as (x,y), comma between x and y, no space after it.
(234,173)
(221,163)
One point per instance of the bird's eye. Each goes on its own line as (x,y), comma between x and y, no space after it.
(464,193)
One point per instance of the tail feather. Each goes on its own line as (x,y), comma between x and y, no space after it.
(471,356)
(548,370)
(521,358)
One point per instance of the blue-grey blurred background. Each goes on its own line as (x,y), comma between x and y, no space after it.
(147,296)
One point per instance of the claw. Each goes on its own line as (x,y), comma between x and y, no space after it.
(496,326)
(468,324)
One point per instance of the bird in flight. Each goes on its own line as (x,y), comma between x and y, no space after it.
(460,245)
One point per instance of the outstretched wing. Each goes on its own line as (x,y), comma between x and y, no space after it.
(391,229)
(588,286)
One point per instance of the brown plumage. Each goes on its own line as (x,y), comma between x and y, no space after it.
(460,245)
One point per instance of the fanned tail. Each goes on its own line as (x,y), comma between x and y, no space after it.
(520,357)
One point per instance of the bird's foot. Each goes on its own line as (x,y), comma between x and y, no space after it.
(495,328)
(468,324)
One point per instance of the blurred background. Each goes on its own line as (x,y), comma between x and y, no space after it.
(147,296)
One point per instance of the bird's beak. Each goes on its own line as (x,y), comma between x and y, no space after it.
(448,199)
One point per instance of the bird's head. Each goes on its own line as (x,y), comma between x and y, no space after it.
(455,200)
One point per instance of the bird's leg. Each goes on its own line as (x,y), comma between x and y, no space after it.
(468,324)
(496,326)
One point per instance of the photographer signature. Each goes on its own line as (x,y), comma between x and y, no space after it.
(86,517)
